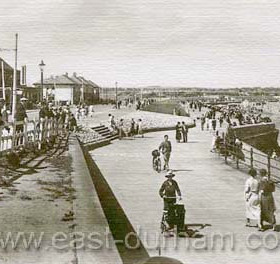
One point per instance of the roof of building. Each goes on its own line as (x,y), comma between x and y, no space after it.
(61,79)
(76,79)
(65,79)
(93,84)
(6,65)
(85,81)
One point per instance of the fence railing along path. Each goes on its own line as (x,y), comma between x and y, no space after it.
(252,158)
(14,136)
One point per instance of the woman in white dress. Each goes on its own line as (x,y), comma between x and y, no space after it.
(253,208)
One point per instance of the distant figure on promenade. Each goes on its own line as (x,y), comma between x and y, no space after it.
(140,128)
(43,113)
(202,120)
(20,115)
(83,111)
(110,117)
(132,127)
(185,131)
(166,148)
(121,127)
(214,124)
(221,120)
(207,123)
(4,113)
(62,117)
(214,141)
(77,113)
(179,131)
(91,111)
(72,123)
(253,208)
(169,191)
(268,207)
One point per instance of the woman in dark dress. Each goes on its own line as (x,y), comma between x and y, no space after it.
(178,132)
(268,207)
(132,127)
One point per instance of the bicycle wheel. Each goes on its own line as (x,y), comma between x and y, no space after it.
(155,165)
(158,165)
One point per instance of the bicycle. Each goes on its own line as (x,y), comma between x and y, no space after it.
(156,160)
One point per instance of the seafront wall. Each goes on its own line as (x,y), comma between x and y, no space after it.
(260,136)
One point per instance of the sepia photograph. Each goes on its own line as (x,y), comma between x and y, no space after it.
(139,132)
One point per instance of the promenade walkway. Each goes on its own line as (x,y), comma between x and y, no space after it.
(212,193)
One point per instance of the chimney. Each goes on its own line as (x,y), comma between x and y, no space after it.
(74,74)
(66,74)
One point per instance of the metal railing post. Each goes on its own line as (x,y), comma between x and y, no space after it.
(25,136)
(268,166)
(225,152)
(1,133)
(251,158)
(14,137)
(41,131)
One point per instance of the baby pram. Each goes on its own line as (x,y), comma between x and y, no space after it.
(176,216)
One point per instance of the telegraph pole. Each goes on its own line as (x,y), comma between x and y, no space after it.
(3,83)
(15,82)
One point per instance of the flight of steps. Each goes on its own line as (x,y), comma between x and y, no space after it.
(105,132)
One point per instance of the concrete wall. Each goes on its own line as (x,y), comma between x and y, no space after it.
(261,136)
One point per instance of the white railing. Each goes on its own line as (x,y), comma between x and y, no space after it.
(20,134)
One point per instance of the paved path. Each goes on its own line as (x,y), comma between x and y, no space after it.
(212,191)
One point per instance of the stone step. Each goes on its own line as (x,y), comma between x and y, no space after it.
(106,133)
(99,128)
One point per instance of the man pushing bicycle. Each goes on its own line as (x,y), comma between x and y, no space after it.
(168,191)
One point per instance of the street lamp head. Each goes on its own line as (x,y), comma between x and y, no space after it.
(42,65)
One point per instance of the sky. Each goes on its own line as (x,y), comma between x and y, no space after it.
(190,43)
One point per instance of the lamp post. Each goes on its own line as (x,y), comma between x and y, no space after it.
(42,66)
(116,95)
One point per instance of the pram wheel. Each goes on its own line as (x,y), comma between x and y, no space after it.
(163,223)
(176,217)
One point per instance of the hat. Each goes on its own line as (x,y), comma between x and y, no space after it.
(169,174)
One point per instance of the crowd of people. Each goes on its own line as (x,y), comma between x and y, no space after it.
(125,128)
(63,115)
(83,110)
(182,130)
